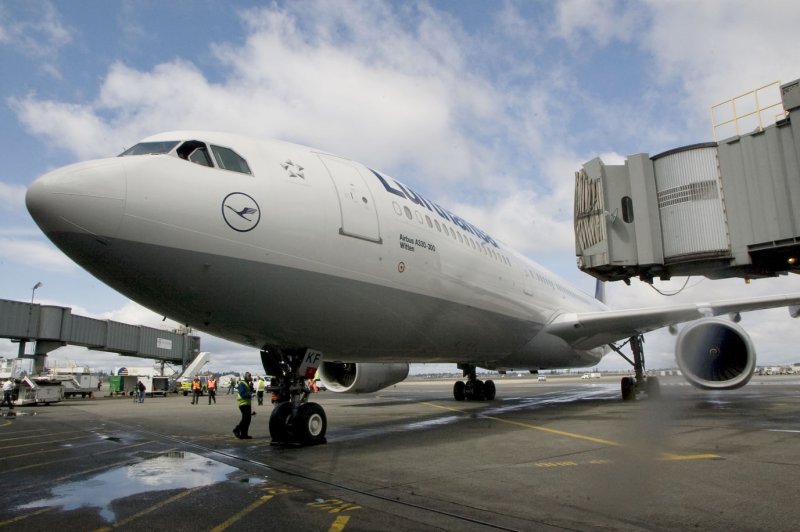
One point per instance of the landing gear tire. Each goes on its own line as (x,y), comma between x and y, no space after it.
(489,390)
(474,390)
(310,425)
(459,391)
(279,422)
(628,385)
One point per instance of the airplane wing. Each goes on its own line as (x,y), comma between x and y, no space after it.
(587,330)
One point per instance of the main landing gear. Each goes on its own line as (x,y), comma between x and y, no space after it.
(294,420)
(639,383)
(473,389)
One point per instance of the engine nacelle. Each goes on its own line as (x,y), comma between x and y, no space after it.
(715,354)
(346,377)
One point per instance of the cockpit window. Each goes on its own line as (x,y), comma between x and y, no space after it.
(230,160)
(200,156)
(196,152)
(148,148)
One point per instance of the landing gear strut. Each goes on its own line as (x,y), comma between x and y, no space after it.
(639,383)
(294,420)
(473,389)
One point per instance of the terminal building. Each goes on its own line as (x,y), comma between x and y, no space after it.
(728,208)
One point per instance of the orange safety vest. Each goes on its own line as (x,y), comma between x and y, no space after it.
(196,385)
(212,384)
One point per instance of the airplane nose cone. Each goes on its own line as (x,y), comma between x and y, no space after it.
(85,198)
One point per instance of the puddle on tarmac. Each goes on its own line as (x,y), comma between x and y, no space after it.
(174,470)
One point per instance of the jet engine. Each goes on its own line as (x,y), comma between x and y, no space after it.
(715,354)
(360,377)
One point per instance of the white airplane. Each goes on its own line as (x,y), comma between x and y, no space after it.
(304,254)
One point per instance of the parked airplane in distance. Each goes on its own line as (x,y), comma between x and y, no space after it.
(323,263)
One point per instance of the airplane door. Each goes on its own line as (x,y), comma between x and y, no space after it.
(359,215)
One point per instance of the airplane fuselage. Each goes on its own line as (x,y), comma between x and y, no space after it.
(301,248)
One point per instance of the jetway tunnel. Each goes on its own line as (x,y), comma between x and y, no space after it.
(721,209)
(51,327)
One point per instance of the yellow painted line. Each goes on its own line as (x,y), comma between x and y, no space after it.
(82,457)
(224,525)
(669,457)
(42,442)
(339,524)
(7,423)
(556,464)
(558,432)
(49,434)
(535,427)
(153,508)
(26,516)
(46,451)
(662,457)
(26,431)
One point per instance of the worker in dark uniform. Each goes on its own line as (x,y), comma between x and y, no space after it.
(244,398)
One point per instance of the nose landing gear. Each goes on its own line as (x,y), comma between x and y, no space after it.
(294,420)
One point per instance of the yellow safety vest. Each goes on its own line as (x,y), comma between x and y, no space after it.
(248,389)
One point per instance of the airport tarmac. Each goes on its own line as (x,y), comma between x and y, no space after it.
(565,454)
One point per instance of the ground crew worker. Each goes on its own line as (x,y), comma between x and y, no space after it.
(212,389)
(261,385)
(197,390)
(231,385)
(244,399)
(8,389)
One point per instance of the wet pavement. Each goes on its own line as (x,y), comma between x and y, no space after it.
(564,454)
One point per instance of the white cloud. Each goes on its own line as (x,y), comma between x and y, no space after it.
(27,251)
(601,20)
(35,29)
(718,50)
(12,197)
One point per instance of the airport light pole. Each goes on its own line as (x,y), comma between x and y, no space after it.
(33,292)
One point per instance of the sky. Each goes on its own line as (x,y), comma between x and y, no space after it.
(487,107)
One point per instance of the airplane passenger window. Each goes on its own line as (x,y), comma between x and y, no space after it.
(148,148)
(408,213)
(228,159)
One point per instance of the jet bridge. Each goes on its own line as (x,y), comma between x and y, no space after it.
(51,327)
(729,208)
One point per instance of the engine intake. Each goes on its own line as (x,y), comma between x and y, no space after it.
(346,377)
(715,354)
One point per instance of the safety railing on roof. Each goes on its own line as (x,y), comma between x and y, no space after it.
(748,111)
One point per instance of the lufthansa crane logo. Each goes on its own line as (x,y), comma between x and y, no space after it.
(241,212)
